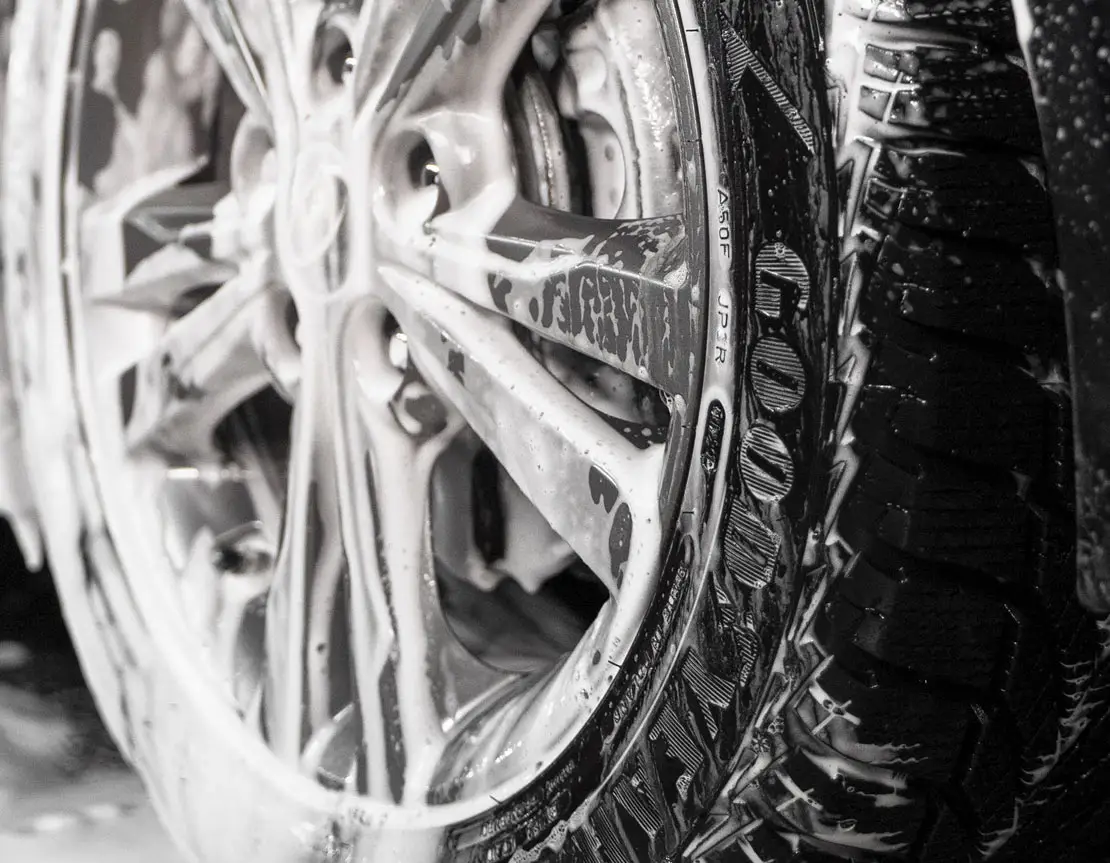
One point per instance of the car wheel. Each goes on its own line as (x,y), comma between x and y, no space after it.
(606,431)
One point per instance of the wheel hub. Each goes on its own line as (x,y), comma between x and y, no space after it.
(317,201)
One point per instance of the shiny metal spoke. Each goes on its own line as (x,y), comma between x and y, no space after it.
(595,488)
(205,363)
(381,36)
(284,31)
(618,291)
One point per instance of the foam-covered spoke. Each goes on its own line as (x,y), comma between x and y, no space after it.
(442,78)
(308,570)
(382,36)
(394,609)
(259,37)
(594,487)
(616,290)
(160,237)
(360,477)
(175,241)
(204,364)
(221,25)
(440,49)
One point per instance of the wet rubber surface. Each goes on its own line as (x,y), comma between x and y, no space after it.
(65,792)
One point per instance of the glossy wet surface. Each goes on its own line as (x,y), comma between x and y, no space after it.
(65,793)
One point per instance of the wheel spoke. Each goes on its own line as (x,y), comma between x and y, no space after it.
(254,42)
(363,478)
(309,565)
(532,552)
(284,58)
(221,27)
(175,241)
(618,291)
(594,487)
(412,674)
(453,48)
(158,238)
(205,363)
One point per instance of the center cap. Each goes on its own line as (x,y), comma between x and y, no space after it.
(317,204)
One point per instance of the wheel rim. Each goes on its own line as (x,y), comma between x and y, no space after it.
(489,256)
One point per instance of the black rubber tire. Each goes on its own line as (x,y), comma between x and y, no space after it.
(959,672)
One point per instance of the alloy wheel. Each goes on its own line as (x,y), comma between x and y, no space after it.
(392,322)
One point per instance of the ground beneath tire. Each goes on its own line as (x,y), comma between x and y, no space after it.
(66,795)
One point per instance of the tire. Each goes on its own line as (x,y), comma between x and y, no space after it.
(865,643)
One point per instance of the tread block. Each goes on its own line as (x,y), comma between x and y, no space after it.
(986,20)
(1059,472)
(848,801)
(1053,565)
(954,91)
(957,402)
(904,729)
(931,627)
(976,196)
(1033,683)
(947,842)
(935,512)
(932,659)
(920,284)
